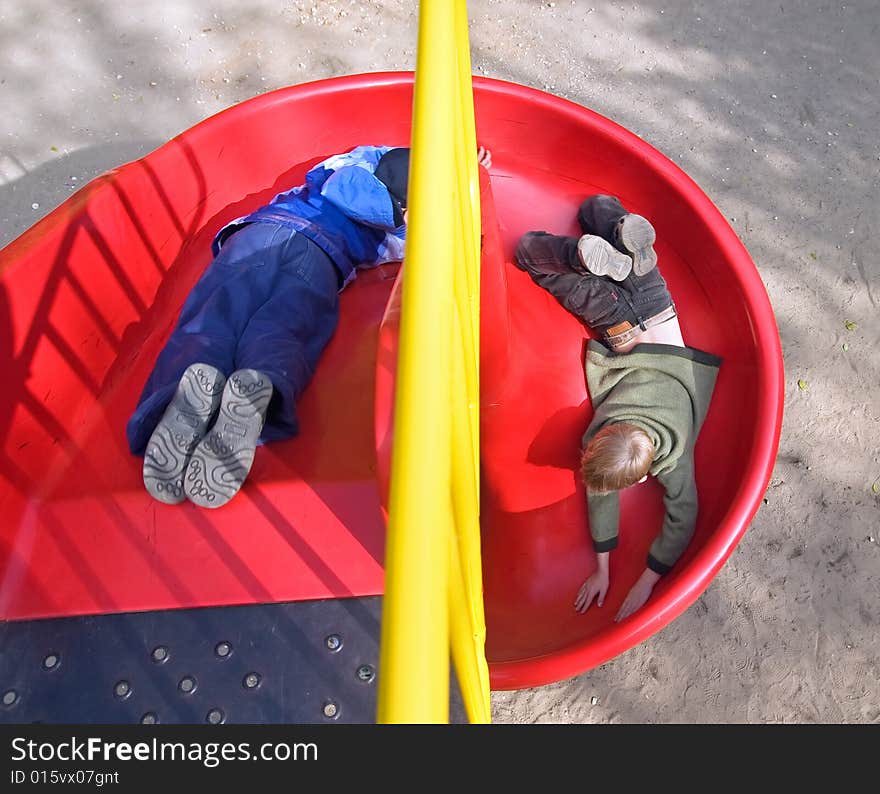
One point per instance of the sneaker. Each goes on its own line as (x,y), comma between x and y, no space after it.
(182,426)
(222,460)
(637,235)
(603,259)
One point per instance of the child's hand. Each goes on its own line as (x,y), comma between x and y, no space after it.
(595,585)
(484,157)
(639,593)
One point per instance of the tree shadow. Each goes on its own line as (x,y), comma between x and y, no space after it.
(55,181)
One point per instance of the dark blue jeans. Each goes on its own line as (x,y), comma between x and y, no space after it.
(269,301)
(602,303)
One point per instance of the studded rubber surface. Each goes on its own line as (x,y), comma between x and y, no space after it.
(307,662)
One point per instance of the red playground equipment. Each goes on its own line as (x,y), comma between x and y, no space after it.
(89,295)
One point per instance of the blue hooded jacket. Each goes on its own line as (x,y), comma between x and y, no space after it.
(343,208)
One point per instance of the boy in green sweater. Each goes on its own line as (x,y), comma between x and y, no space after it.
(650,392)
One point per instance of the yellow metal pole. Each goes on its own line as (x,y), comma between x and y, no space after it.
(467,621)
(468,275)
(469,185)
(414,659)
(467,625)
(467,648)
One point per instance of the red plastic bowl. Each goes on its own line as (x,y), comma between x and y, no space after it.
(89,294)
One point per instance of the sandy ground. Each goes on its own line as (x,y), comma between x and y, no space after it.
(771,107)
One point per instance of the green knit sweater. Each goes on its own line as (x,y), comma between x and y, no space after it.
(664,390)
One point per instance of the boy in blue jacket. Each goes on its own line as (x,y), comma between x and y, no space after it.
(251,331)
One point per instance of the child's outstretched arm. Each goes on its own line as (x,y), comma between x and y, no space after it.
(638,594)
(604,512)
(595,585)
(681,516)
(677,530)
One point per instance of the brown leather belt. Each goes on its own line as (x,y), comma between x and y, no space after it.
(624,332)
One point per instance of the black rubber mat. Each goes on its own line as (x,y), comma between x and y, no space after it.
(304,662)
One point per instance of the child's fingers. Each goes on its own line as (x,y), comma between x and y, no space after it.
(585,600)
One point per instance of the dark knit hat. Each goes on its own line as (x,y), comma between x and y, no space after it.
(393,172)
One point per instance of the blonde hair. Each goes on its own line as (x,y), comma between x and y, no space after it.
(618,456)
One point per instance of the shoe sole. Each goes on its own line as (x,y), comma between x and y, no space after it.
(602,259)
(637,235)
(182,426)
(222,460)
